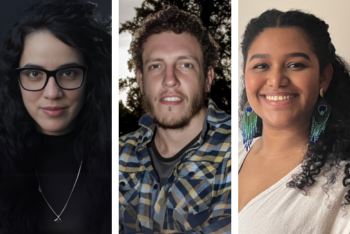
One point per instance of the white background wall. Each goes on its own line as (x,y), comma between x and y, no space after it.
(336,13)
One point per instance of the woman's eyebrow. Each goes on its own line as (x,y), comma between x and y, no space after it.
(290,55)
(30,65)
(69,64)
(298,54)
(255,56)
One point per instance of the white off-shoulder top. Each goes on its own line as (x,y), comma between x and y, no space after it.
(284,210)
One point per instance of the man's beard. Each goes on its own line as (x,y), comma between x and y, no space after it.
(196,105)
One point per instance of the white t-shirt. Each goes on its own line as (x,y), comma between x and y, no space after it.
(284,210)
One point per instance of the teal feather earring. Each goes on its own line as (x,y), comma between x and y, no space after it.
(250,119)
(320,116)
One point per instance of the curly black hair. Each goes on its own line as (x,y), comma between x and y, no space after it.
(171,18)
(77,24)
(333,145)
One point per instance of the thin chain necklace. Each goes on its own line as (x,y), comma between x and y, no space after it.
(58,219)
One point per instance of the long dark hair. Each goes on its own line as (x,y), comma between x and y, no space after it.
(333,145)
(79,25)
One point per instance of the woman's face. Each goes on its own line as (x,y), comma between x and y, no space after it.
(53,109)
(282,77)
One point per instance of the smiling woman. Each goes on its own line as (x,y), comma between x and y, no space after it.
(299,88)
(282,78)
(55,126)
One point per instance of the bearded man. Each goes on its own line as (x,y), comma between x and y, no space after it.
(175,171)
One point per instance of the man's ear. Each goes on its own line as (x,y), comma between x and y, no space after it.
(326,77)
(209,80)
(139,79)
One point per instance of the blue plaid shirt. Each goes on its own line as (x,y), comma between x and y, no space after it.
(196,197)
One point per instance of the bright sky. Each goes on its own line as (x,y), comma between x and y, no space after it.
(126,12)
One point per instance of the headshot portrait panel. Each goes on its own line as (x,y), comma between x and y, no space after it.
(175,158)
(294,151)
(55,122)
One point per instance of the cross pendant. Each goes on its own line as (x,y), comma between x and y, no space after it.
(58,220)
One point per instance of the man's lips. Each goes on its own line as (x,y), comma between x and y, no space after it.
(171,100)
(53,110)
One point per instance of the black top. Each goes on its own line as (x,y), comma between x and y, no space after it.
(57,169)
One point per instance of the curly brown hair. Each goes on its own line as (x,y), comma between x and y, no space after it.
(171,18)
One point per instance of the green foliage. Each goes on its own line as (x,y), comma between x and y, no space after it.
(216,16)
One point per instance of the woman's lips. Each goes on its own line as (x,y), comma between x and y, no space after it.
(278,100)
(53,111)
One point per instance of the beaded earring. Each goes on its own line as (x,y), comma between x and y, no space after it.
(249,125)
(319,118)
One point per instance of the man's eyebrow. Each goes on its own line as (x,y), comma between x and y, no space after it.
(255,56)
(178,58)
(153,60)
(189,57)
(298,54)
(30,65)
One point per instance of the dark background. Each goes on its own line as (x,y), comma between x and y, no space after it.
(10,11)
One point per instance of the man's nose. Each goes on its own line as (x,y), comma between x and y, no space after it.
(170,79)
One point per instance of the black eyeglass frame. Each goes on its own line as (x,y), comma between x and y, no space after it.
(49,74)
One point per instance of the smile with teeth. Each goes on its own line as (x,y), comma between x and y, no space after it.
(279,98)
(172,99)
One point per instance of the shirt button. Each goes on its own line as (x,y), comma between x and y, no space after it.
(191,174)
(155,186)
(122,183)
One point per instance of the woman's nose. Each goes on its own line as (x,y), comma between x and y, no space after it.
(52,90)
(277,77)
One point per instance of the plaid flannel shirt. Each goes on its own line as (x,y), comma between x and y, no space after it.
(196,197)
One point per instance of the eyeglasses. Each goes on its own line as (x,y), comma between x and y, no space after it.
(35,79)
